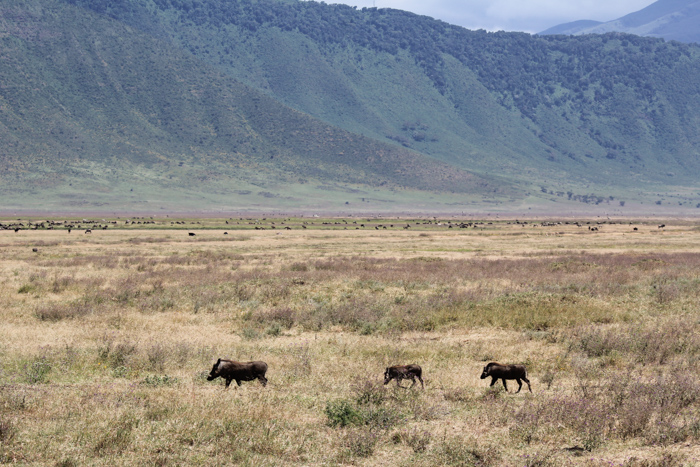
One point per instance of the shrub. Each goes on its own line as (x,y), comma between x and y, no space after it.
(360,442)
(546,458)
(66,463)
(60,284)
(27,288)
(157,356)
(650,343)
(299,267)
(120,372)
(457,451)
(7,431)
(160,380)
(416,439)
(617,406)
(459,395)
(277,319)
(250,334)
(368,391)
(665,460)
(116,355)
(381,417)
(37,371)
(57,312)
(342,413)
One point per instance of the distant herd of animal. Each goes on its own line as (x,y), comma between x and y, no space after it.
(230,370)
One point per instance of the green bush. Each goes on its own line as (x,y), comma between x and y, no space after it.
(342,413)
(27,288)
(37,371)
(160,380)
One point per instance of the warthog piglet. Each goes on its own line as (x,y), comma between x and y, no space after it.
(400,372)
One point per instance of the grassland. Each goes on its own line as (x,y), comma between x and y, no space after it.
(106,339)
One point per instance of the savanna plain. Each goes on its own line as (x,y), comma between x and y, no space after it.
(106,340)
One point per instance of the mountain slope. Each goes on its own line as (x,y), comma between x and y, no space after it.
(571,28)
(89,106)
(603,110)
(677,20)
(196,97)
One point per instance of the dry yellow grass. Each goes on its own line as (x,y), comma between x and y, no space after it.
(105,339)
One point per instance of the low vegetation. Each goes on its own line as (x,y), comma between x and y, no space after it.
(106,342)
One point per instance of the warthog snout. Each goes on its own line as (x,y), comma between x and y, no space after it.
(387,378)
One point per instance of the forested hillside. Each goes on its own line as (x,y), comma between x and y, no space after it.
(564,119)
(595,107)
(94,114)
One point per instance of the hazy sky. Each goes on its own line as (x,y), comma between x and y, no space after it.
(510,15)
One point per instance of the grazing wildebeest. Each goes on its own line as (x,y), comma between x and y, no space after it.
(503,372)
(400,372)
(239,371)
(88,231)
(191,234)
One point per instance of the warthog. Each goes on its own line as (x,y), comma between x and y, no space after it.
(503,372)
(400,372)
(239,371)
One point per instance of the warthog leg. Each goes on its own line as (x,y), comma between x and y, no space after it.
(520,385)
(494,379)
(419,379)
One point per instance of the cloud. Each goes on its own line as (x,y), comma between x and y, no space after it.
(511,15)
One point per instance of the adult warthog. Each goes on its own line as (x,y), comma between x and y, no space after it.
(400,372)
(503,372)
(239,371)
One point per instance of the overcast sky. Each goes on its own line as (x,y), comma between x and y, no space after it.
(510,15)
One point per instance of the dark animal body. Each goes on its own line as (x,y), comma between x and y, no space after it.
(400,372)
(503,372)
(238,371)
